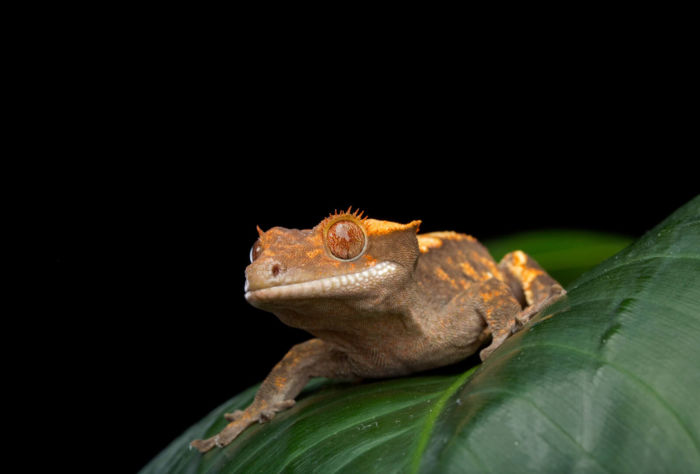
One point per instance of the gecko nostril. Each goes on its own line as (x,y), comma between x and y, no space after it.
(275,270)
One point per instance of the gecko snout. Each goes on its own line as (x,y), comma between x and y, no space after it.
(263,274)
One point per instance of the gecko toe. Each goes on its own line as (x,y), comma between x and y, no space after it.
(236,415)
(203,445)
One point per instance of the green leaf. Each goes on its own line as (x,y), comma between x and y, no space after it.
(605,380)
(566,254)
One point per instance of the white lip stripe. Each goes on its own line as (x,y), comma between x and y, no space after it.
(309,288)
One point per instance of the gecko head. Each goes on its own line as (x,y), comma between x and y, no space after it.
(344,257)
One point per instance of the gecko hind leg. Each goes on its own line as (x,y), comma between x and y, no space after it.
(526,314)
(531,284)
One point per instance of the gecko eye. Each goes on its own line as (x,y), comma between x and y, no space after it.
(255,251)
(345,240)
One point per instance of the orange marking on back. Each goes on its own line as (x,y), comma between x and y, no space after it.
(489,295)
(427,242)
(441,274)
(526,275)
(493,270)
(471,272)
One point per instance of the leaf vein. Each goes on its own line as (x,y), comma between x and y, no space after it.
(622,371)
(543,414)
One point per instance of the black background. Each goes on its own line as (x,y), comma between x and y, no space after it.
(147,216)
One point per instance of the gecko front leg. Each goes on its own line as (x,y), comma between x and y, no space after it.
(313,358)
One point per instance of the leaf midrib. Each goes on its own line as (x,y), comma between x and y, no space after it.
(313,410)
(432,416)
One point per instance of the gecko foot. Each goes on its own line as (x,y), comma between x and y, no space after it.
(526,315)
(225,436)
(520,320)
(497,341)
(203,445)
(240,420)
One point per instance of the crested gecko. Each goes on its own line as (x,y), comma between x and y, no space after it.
(381,300)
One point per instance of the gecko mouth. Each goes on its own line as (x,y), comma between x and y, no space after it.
(350,283)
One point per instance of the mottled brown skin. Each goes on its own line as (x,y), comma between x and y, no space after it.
(414,302)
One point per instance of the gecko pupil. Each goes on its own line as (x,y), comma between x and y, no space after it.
(345,240)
